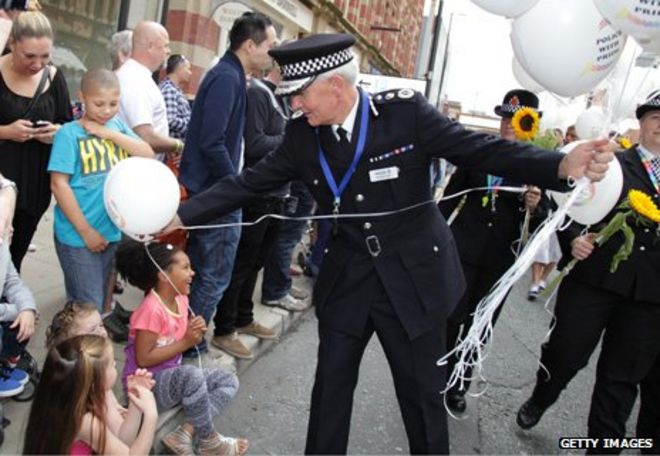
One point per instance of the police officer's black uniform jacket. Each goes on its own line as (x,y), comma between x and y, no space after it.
(413,253)
(636,278)
(486,234)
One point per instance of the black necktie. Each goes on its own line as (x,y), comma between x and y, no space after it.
(343,139)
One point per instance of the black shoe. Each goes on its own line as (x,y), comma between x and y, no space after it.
(529,414)
(456,401)
(117,330)
(121,312)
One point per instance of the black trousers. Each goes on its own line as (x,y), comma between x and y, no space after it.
(25,224)
(417,380)
(479,280)
(631,342)
(235,307)
(648,421)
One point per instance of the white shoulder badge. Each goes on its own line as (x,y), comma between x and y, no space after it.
(405,94)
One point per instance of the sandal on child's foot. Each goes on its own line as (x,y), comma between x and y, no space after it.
(179,441)
(217,444)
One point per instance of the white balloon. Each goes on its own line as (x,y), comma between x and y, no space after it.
(591,123)
(508,8)
(141,196)
(599,198)
(637,18)
(566,45)
(525,80)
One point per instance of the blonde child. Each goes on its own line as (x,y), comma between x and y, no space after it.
(160,331)
(74,319)
(73,411)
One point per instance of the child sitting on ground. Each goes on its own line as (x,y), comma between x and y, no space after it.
(84,152)
(18,313)
(71,413)
(160,331)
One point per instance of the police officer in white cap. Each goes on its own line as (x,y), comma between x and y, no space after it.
(399,275)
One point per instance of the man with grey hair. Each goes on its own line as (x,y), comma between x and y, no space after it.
(399,275)
(119,48)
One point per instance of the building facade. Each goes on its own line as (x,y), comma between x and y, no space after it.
(387,30)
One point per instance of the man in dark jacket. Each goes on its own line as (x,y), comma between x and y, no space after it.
(485,226)
(213,150)
(623,306)
(398,275)
(264,131)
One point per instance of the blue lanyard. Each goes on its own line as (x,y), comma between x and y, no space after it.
(362,139)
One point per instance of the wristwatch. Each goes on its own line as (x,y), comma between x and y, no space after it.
(6,183)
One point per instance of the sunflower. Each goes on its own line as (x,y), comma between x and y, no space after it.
(525,123)
(642,203)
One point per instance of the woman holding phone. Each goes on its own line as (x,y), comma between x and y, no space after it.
(35,102)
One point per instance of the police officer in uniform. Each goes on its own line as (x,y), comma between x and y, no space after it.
(623,306)
(397,275)
(486,225)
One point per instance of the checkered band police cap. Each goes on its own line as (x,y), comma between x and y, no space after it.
(302,60)
(652,103)
(515,100)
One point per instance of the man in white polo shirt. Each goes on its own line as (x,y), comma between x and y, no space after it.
(142,106)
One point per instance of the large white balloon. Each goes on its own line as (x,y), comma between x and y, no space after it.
(525,80)
(591,123)
(637,18)
(508,8)
(599,198)
(141,196)
(566,45)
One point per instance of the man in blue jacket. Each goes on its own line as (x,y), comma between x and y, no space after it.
(214,150)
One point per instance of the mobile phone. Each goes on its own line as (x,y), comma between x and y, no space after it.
(39,123)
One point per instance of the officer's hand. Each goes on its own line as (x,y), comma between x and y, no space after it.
(589,159)
(583,246)
(174,224)
(532,198)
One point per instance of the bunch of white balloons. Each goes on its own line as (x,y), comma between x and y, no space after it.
(569,46)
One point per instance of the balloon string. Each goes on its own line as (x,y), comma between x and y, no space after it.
(610,114)
(352,215)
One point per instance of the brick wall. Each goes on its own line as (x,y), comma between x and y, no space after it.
(399,47)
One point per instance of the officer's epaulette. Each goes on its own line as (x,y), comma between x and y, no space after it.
(389,96)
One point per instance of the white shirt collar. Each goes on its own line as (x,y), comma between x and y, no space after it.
(646,153)
(349,122)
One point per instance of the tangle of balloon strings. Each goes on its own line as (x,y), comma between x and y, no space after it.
(471,350)
(313,217)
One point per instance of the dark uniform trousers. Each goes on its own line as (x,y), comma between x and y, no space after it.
(648,421)
(623,307)
(398,276)
(417,378)
(582,313)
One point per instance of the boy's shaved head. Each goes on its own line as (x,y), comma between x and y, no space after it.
(98,79)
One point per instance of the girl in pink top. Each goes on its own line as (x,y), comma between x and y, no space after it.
(160,331)
(71,413)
